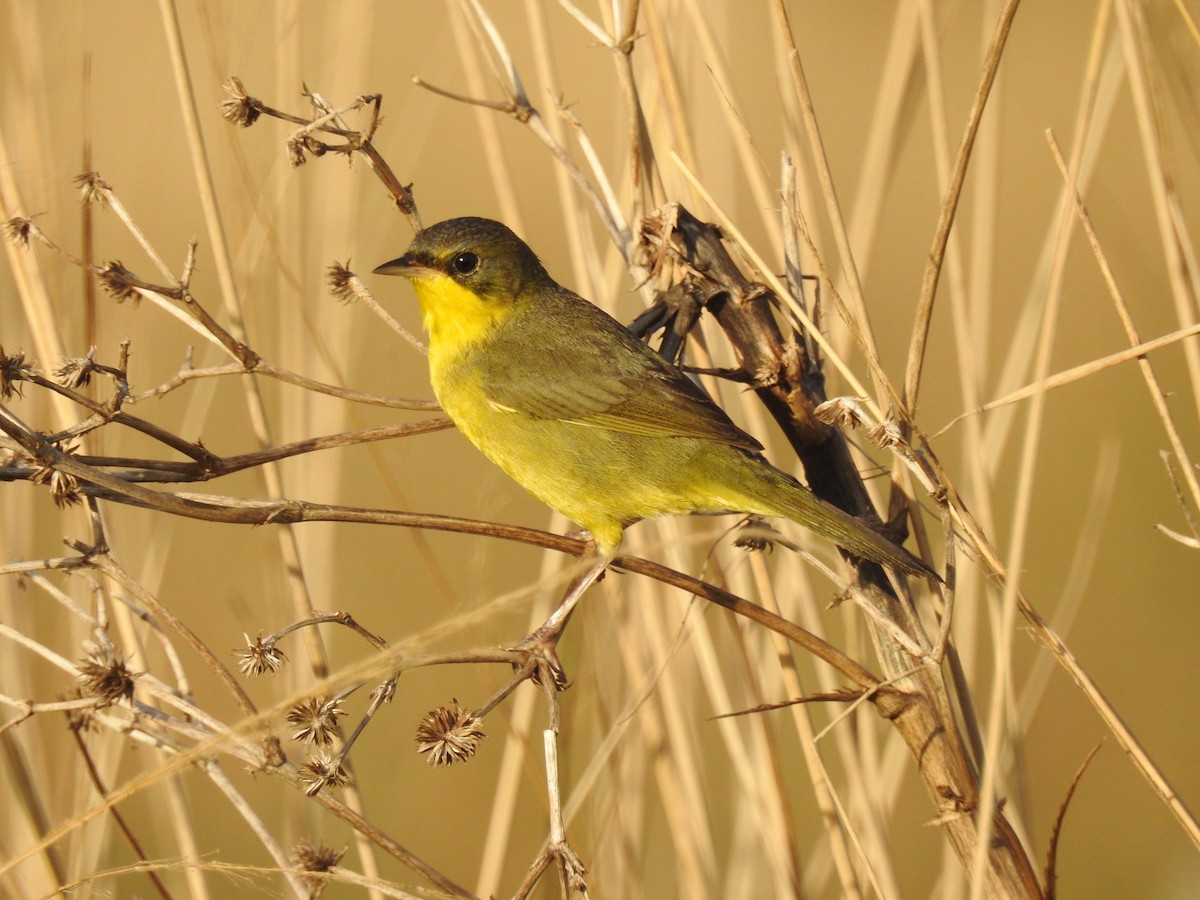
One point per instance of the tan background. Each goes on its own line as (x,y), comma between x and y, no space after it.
(1137,621)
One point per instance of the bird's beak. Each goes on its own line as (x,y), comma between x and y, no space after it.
(407,266)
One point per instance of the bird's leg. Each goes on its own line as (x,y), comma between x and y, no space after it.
(544,639)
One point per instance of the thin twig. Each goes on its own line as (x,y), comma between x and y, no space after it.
(941,235)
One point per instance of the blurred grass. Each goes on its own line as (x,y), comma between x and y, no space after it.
(680,805)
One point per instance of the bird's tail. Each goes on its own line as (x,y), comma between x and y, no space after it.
(775,493)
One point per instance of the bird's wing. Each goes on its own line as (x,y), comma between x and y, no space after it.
(590,370)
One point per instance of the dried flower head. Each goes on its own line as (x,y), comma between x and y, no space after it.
(840,412)
(323,769)
(80,719)
(886,434)
(309,857)
(295,152)
(76,371)
(239,107)
(260,656)
(384,692)
(344,285)
(119,282)
(64,487)
(449,735)
(315,720)
(20,229)
(756,535)
(103,675)
(13,370)
(93,188)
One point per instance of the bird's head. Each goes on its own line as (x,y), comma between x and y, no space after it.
(469,273)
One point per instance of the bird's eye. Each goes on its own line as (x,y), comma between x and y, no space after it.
(465,263)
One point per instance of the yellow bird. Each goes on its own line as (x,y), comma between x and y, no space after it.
(581,413)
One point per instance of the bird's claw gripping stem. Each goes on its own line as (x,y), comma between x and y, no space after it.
(543,640)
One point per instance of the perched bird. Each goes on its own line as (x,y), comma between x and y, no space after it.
(581,413)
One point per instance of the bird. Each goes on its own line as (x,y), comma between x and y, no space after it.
(584,415)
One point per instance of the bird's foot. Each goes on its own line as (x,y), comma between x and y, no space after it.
(541,646)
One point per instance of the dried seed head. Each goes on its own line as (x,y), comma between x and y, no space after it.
(885,434)
(118,282)
(19,230)
(295,152)
(315,721)
(239,107)
(310,857)
(344,285)
(756,536)
(103,675)
(76,371)
(93,188)
(80,719)
(64,487)
(449,735)
(323,769)
(13,370)
(384,692)
(840,412)
(260,656)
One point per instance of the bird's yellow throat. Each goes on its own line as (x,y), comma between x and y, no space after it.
(456,318)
